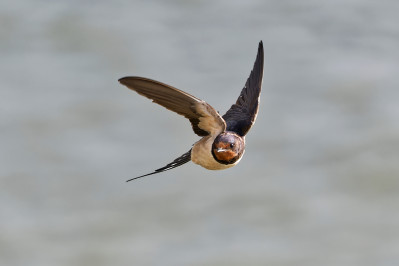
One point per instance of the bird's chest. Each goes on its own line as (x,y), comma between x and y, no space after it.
(201,154)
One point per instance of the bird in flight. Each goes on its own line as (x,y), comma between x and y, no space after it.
(223,137)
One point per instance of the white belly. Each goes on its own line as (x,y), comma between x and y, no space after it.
(201,154)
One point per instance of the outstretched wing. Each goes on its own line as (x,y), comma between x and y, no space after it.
(204,119)
(176,163)
(241,115)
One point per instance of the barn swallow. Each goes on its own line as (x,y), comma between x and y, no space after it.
(223,137)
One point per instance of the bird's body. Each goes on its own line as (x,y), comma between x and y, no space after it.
(223,137)
(201,154)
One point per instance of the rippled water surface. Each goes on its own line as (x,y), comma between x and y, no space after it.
(318,185)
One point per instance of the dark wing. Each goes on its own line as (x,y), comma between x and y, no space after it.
(177,162)
(204,119)
(241,115)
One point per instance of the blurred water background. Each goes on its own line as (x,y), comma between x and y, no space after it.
(318,185)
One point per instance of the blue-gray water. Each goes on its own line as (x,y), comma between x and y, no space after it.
(318,185)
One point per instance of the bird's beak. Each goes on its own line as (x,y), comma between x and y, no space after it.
(221,150)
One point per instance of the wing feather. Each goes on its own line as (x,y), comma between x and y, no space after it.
(242,115)
(203,117)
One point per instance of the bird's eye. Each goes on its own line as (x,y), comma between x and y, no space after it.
(231,145)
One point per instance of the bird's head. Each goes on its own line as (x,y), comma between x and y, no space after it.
(228,147)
